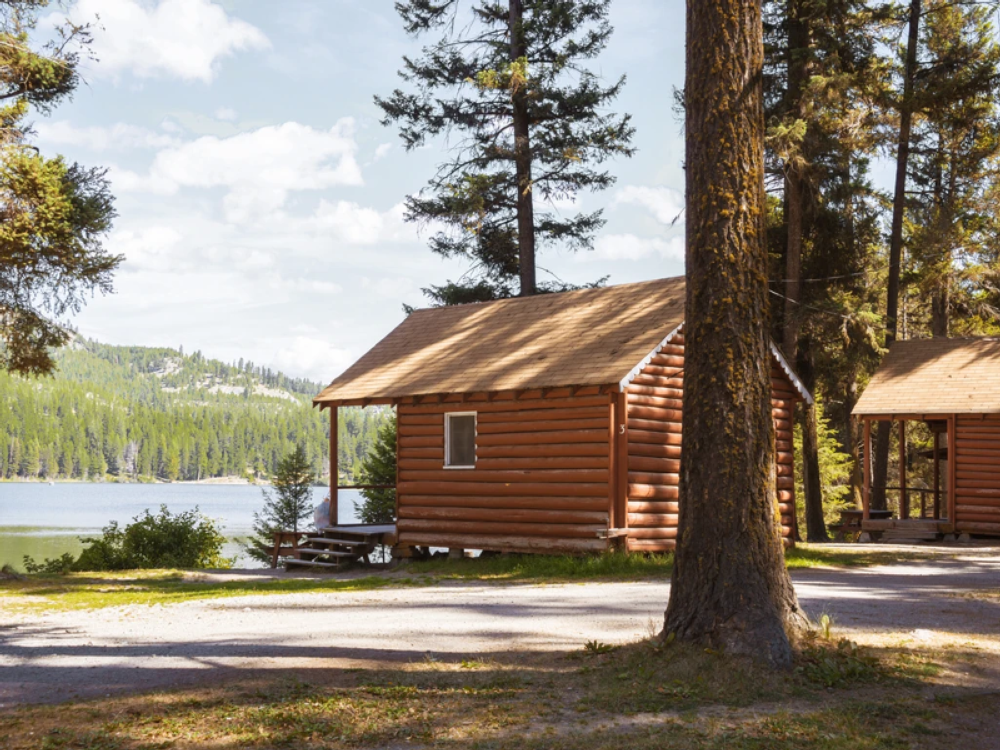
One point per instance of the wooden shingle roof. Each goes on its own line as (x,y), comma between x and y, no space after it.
(935,376)
(585,337)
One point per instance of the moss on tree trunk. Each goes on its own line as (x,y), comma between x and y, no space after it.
(730,587)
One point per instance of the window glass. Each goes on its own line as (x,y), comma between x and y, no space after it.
(461,449)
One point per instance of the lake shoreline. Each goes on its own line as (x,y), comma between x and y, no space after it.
(218,481)
(43,520)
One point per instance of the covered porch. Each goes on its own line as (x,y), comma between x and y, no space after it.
(924,510)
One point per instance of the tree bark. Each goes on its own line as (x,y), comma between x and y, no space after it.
(815,520)
(795,221)
(811,485)
(522,160)
(798,52)
(939,311)
(881,471)
(730,587)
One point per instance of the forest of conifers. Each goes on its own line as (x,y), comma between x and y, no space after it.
(138,413)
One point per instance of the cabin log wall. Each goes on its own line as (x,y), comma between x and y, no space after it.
(542,481)
(977,473)
(654,449)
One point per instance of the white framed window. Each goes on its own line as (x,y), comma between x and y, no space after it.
(460,440)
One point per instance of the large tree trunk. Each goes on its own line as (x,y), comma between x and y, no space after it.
(522,160)
(730,587)
(881,473)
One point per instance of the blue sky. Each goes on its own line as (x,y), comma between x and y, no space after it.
(260,199)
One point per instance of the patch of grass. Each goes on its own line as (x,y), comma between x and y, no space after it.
(816,556)
(97,590)
(836,729)
(648,677)
(554,568)
(523,705)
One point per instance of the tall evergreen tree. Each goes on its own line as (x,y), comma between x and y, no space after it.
(730,587)
(956,170)
(53,215)
(822,74)
(379,468)
(527,122)
(286,507)
(905,105)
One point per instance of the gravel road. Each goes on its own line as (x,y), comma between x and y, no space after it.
(62,655)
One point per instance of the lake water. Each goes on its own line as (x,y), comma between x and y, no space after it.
(46,520)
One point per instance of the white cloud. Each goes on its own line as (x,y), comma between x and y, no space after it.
(664,203)
(353,224)
(382,151)
(119,136)
(313,357)
(260,168)
(225,113)
(630,247)
(149,248)
(398,288)
(180,38)
(127,181)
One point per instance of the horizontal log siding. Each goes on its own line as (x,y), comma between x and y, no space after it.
(541,480)
(977,474)
(654,450)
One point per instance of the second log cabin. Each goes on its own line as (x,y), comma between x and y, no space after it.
(549,423)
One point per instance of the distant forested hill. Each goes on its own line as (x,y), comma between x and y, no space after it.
(129,412)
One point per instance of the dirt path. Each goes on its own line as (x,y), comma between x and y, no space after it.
(64,655)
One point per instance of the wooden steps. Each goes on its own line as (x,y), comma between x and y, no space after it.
(905,531)
(336,547)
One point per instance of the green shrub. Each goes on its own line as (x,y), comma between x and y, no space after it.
(166,540)
(185,540)
(50,565)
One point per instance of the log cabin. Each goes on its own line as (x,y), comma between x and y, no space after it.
(545,424)
(953,387)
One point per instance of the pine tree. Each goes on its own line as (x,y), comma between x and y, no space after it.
(822,73)
(286,507)
(53,215)
(956,170)
(379,468)
(507,84)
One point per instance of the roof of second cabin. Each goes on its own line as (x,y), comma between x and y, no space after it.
(935,376)
(584,337)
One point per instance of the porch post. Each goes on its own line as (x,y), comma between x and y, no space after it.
(866,465)
(952,451)
(937,475)
(904,500)
(334,468)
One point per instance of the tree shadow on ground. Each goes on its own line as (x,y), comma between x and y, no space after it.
(640,696)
